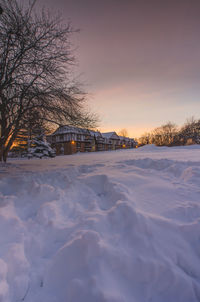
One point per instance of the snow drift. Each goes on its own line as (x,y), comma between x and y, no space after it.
(104,227)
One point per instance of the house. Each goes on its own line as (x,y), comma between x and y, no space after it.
(127,143)
(124,142)
(70,139)
(111,140)
(133,143)
(97,141)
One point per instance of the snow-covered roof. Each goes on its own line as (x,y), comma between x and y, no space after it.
(77,130)
(110,135)
(124,138)
(95,133)
(70,129)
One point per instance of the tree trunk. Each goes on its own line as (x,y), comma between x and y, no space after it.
(9,145)
(1,154)
(5,154)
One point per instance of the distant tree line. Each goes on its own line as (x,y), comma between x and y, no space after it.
(171,135)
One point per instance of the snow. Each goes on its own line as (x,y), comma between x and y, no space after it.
(71,129)
(110,135)
(105,226)
(40,148)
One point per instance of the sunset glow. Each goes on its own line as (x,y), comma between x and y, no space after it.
(139,60)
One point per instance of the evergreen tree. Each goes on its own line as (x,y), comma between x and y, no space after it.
(41,148)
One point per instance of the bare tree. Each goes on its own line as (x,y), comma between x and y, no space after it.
(145,139)
(170,135)
(168,132)
(33,125)
(35,71)
(190,132)
(164,135)
(123,132)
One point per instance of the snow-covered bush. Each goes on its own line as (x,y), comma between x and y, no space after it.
(41,148)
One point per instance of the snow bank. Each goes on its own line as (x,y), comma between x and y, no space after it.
(103,227)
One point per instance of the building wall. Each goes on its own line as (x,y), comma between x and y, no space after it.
(70,143)
(70,147)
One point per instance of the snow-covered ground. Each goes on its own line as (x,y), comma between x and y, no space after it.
(102,227)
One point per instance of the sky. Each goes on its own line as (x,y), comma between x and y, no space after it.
(138,60)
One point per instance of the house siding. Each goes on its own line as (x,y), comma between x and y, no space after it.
(69,140)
